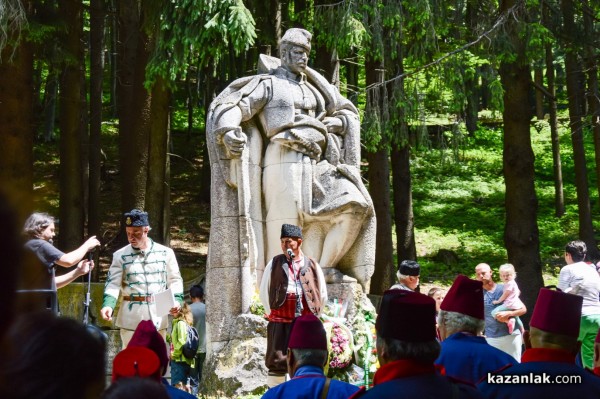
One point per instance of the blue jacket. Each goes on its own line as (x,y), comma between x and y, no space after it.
(408,379)
(176,393)
(308,382)
(536,364)
(468,358)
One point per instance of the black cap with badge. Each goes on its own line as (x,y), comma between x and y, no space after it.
(136,218)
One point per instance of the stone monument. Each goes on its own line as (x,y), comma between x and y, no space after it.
(284,147)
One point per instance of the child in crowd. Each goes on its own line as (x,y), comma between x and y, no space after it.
(180,365)
(510,297)
(438,295)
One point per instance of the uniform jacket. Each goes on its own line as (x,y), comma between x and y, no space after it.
(409,379)
(308,382)
(141,273)
(468,358)
(536,363)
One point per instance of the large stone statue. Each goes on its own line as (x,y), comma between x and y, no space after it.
(284,147)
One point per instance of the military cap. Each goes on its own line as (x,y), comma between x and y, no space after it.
(297,37)
(136,218)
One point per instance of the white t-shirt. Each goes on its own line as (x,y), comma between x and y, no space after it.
(582,279)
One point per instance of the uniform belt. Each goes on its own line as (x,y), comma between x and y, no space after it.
(139,298)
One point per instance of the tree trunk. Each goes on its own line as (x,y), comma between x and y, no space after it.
(403,209)
(97,16)
(591,67)
(113,58)
(135,132)
(538,76)
(559,196)
(16,127)
(379,188)
(157,190)
(71,113)
(521,235)
(575,78)
(128,36)
(50,94)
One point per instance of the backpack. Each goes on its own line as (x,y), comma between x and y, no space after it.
(192,342)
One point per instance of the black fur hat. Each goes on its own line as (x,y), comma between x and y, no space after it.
(289,230)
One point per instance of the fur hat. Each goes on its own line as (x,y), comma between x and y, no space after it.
(290,230)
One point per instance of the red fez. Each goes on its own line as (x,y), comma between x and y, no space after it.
(557,312)
(465,296)
(392,321)
(146,335)
(307,333)
(136,362)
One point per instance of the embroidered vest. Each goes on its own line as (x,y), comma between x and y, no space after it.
(308,277)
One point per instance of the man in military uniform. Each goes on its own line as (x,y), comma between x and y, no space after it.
(547,369)
(292,285)
(138,271)
(465,354)
(406,352)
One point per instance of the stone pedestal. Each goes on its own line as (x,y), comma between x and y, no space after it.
(236,367)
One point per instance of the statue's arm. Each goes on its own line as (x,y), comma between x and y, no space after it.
(227,129)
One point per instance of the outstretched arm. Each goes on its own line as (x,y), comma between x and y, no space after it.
(73,257)
(83,267)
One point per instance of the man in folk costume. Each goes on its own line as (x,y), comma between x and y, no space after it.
(292,285)
(138,271)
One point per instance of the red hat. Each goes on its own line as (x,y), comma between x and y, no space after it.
(146,335)
(136,362)
(307,333)
(395,306)
(465,296)
(557,312)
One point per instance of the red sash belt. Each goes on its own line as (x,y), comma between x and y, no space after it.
(287,312)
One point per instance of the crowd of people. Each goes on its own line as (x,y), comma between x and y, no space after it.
(466,342)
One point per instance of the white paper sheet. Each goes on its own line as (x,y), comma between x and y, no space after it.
(164,302)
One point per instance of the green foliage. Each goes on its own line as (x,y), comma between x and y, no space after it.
(459,203)
(203,30)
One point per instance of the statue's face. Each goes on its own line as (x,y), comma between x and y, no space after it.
(295,59)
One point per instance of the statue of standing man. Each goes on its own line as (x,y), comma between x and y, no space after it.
(284,147)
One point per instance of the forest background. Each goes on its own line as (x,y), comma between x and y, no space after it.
(480,120)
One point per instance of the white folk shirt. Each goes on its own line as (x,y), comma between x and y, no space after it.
(142,273)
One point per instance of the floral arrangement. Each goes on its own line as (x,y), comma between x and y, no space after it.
(340,345)
(256,306)
(352,353)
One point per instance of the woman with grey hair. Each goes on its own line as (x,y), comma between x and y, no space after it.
(39,229)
